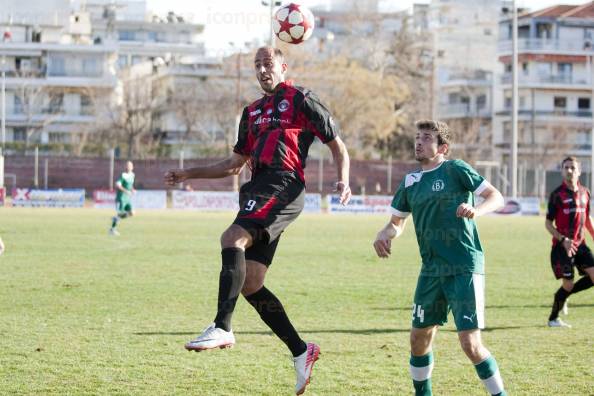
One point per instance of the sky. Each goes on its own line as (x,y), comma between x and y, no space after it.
(241,21)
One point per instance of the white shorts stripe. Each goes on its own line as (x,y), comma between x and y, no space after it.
(478,281)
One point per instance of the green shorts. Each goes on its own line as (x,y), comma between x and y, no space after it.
(123,205)
(463,294)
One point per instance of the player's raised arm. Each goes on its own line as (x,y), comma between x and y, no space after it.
(383,241)
(342,161)
(227,167)
(492,200)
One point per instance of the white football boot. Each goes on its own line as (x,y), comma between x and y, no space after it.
(212,337)
(304,365)
(558,323)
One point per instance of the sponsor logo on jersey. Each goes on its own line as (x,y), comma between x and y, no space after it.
(262,120)
(438,185)
(568,200)
(283,105)
(255,112)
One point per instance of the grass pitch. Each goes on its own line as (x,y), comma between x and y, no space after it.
(85,313)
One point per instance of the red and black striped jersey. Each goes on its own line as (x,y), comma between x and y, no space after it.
(277,130)
(569,210)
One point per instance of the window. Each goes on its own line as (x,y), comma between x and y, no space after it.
(136,59)
(544,69)
(481,102)
(564,69)
(90,67)
(487,32)
(560,102)
(122,61)
(56,104)
(525,68)
(18,105)
(583,103)
(57,66)
(508,102)
(508,67)
(58,137)
(19,134)
(126,35)
(86,105)
(151,36)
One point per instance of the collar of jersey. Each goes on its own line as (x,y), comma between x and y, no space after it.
(437,167)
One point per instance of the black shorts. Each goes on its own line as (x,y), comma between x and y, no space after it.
(563,265)
(267,205)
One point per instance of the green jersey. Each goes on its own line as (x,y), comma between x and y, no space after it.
(449,245)
(126,180)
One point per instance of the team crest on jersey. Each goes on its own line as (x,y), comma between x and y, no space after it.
(283,105)
(438,185)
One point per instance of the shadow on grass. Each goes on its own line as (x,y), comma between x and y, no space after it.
(490,307)
(321,331)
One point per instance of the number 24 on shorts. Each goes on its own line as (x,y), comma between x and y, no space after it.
(419,312)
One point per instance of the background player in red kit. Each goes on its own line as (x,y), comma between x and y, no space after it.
(275,133)
(569,208)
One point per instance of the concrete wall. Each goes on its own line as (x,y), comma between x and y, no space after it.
(93,173)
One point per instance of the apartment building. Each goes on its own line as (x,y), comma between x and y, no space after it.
(555,86)
(62,61)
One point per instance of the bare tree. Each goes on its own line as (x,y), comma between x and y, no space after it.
(38,105)
(130,118)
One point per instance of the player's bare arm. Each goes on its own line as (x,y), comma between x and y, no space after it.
(383,241)
(590,226)
(1,246)
(493,200)
(342,161)
(227,167)
(567,243)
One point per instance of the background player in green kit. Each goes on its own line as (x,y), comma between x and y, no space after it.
(125,189)
(440,198)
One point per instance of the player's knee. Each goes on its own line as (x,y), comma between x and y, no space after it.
(567,285)
(251,286)
(233,237)
(472,347)
(420,343)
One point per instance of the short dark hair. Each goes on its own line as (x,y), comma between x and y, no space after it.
(569,158)
(444,136)
(276,52)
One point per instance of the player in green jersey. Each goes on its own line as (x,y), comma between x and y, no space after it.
(441,199)
(125,190)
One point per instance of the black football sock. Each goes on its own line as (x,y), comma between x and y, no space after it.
(560,298)
(273,314)
(114,221)
(231,281)
(583,284)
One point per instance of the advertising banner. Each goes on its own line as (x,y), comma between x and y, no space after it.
(370,204)
(143,199)
(55,198)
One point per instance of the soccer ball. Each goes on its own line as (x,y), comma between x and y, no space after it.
(293,23)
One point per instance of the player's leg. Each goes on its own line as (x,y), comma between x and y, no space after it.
(584,261)
(421,359)
(484,363)
(562,266)
(116,219)
(430,309)
(466,296)
(271,310)
(234,241)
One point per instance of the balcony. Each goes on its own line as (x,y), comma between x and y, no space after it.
(561,79)
(574,47)
(549,113)
(462,110)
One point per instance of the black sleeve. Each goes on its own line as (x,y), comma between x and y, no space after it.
(242,146)
(552,206)
(320,122)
